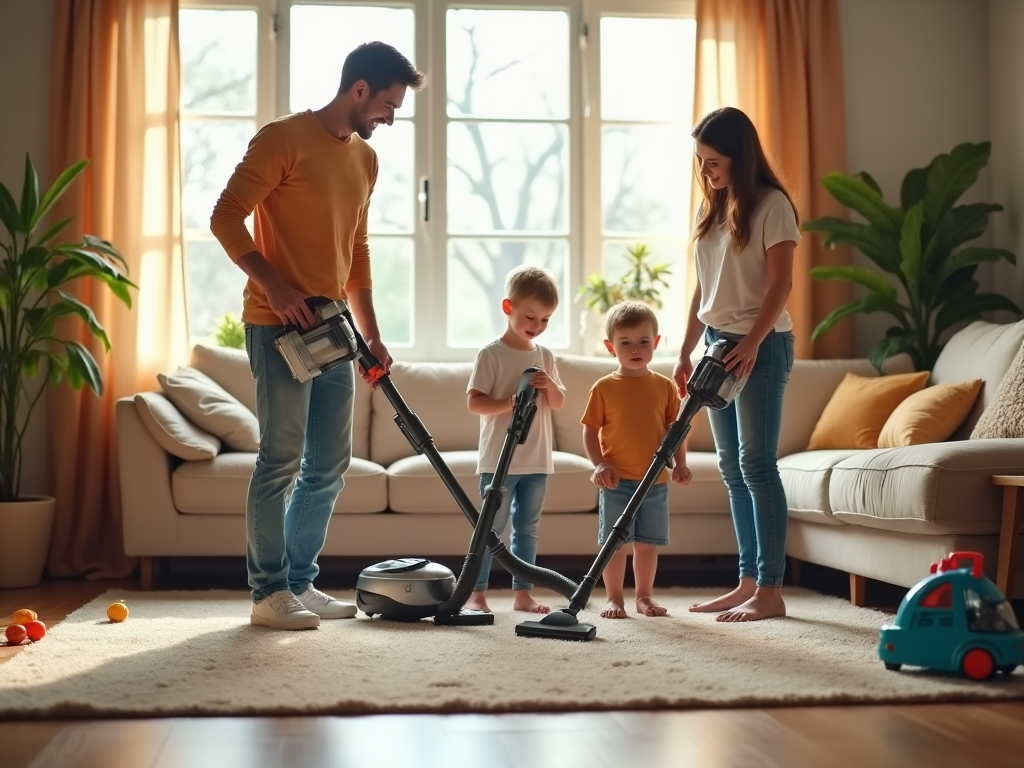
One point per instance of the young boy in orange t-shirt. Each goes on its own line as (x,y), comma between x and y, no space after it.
(627,415)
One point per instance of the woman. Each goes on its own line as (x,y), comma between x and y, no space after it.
(745,234)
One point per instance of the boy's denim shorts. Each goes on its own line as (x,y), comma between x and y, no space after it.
(650,526)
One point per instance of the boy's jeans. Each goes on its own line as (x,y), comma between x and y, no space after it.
(305,430)
(747,440)
(524,501)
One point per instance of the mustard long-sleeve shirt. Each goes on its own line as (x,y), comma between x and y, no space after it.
(311,193)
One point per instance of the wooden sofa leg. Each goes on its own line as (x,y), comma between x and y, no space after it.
(858,586)
(794,570)
(146,572)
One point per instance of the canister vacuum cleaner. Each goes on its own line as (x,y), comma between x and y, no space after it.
(710,385)
(410,589)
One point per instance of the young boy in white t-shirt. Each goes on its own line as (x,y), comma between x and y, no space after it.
(531,297)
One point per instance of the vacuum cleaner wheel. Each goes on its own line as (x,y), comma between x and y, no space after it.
(404,589)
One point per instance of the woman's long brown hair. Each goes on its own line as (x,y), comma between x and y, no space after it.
(731,134)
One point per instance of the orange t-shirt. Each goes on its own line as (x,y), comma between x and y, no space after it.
(632,414)
(311,193)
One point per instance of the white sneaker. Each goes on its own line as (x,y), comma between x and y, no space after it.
(282,610)
(325,606)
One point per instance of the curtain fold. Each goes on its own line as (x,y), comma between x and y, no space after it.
(780,61)
(114,101)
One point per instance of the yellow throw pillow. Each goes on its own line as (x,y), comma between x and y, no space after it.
(859,408)
(929,416)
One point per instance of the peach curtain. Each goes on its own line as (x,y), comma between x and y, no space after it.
(780,61)
(114,101)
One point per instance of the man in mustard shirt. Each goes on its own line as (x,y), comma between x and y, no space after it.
(308,177)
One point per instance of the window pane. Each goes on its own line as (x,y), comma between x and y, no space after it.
(647,69)
(392,207)
(391,259)
(218,61)
(476,285)
(321,36)
(210,151)
(645,178)
(508,177)
(508,64)
(215,286)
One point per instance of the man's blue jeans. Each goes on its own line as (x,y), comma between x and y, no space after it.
(305,450)
(747,440)
(523,504)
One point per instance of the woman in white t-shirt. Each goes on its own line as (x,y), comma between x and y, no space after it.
(745,235)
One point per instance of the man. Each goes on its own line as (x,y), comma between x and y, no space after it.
(309,177)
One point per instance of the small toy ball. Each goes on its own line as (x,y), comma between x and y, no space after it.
(15,633)
(24,614)
(117,611)
(35,630)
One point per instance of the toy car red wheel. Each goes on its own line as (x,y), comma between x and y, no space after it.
(978,664)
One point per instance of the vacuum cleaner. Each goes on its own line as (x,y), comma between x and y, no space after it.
(412,588)
(710,385)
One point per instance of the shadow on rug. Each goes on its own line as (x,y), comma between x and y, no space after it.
(195,653)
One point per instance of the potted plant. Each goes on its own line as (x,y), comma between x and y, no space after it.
(33,303)
(643,281)
(230,332)
(916,247)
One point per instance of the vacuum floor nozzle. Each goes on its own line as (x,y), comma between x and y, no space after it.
(465,618)
(578,631)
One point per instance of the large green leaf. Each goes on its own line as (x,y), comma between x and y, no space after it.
(951,175)
(866,277)
(9,214)
(69,305)
(869,180)
(107,249)
(896,341)
(970,308)
(913,187)
(54,230)
(969,256)
(870,303)
(910,245)
(960,225)
(957,287)
(82,368)
(856,194)
(867,239)
(53,194)
(29,196)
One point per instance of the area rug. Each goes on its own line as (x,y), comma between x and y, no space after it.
(195,653)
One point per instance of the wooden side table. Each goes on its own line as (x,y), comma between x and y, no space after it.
(1009,532)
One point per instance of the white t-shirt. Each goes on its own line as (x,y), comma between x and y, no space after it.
(496,373)
(734,283)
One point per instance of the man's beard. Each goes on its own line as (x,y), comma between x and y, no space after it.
(365,129)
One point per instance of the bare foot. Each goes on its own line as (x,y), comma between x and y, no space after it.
(738,596)
(613,610)
(647,607)
(478,602)
(529,605)
(766,603)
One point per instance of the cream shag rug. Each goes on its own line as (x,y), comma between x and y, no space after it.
(191,653)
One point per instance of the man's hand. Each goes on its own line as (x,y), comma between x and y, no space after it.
(681,474)
(605,476)
(379,351)
(289,304)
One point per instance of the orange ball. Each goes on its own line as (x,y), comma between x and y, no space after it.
(24,614)
(117,612)
(15,634)
(35,630)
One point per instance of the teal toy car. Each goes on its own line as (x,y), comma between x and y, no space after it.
(954,620)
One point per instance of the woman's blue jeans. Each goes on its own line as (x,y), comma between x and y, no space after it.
(747,439)
(305,450)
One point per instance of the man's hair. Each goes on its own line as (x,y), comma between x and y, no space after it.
(629,314)
(381,66)
(527,282)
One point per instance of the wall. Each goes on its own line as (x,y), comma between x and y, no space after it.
(1006,94)
(916,76)
(25,95)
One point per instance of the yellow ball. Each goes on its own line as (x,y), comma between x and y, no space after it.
(24,614)
(117,612)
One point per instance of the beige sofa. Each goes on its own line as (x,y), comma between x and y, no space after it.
(877,514)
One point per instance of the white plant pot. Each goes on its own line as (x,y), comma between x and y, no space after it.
(25,528)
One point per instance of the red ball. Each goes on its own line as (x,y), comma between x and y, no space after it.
(35,630)
(15,633)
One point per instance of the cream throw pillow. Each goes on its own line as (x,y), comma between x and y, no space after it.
(172,431)
(208,405)
(929,416)
(859,408)
(1004,416)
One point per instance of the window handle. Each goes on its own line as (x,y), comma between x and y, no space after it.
(424,198)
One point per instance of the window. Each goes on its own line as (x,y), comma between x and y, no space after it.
(550,133)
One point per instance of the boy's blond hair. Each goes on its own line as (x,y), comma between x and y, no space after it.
(527,282)
(629,314)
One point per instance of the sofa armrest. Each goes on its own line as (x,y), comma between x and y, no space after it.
(148,514)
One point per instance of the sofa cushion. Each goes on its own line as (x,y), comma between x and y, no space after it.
(1004,416)
(936,488)
(209,406)
(219,486)
(805,477)
(414,486)
(859,408)
(436,392)
(931,415)
(174,433)
(983,351)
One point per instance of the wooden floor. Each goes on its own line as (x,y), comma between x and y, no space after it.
(929,736)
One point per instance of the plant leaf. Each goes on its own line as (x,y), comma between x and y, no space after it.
(53,194)
(867,179)
(867,239)
(913,187)
(893,344)
(9,214)
(30,365)
(29,196)
(969,256)
(970,308)
(949,176)
(69,305)
(856,194)
(58,366)
(866,277)
(82,368)
(870,303)
(54,230)
(910,245)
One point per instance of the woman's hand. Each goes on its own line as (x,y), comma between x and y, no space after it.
(682,373)
(739,361)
